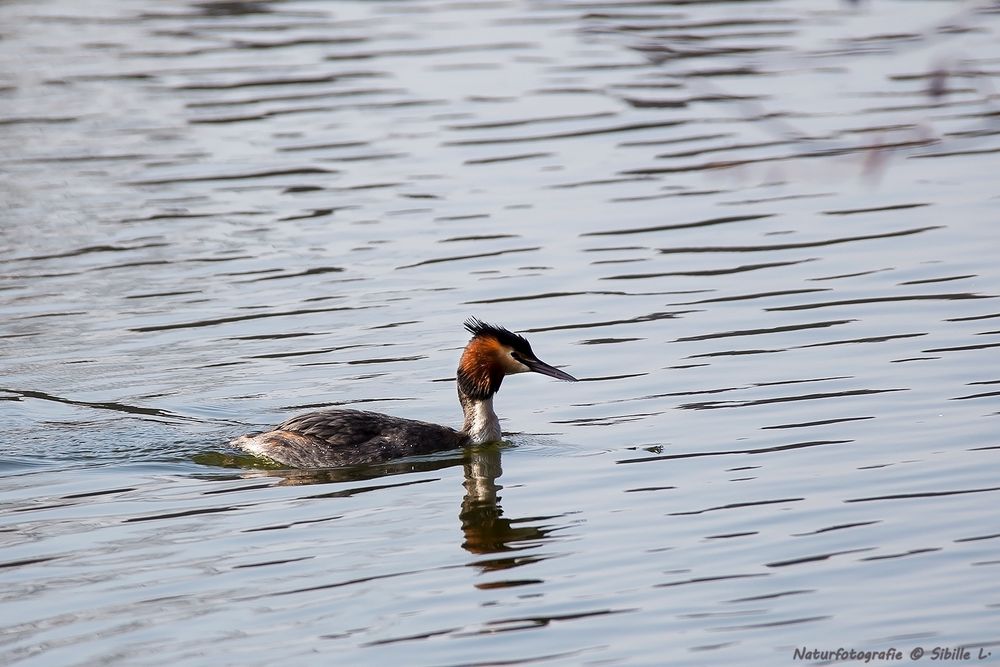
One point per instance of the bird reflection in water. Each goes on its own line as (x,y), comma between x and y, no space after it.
(484,527)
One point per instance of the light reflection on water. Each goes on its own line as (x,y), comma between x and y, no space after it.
(760,233)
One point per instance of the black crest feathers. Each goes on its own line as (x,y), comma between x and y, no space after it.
(478,329)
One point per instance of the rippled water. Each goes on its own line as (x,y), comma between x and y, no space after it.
(764,234)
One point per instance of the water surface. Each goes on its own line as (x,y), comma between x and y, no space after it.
(763,234)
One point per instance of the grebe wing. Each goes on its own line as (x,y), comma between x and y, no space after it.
(337,437)
(337,426)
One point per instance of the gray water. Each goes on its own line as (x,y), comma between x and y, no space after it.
(764,234)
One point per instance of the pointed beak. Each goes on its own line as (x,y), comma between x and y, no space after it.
(538,366)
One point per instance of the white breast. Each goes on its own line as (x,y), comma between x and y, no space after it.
(484,424)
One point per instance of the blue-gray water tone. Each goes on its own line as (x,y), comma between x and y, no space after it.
(763,234)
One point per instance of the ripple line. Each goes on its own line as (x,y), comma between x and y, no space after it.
(803,244)
(813,559)
(870,339)
(755,332)
(731,452)
(458,258)
(708,272)
(911,552)
(682,225)
(86,250)
(27,561)
(894,207)
(957,296)
(841,526)
(924,494)
(97,405)
(652,317)
(174,515)
(237,318)
(712,405)
(631,127)
(544,295)
(300,171)
(702,580)
(982,395)
(529,121)
(729,506)
(960,348)
(819,422)
(758,295)
(288,81)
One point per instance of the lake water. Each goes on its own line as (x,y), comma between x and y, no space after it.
(764,234)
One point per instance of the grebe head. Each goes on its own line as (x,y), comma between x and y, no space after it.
(493,353)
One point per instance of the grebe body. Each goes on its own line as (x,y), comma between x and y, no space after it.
(338,437)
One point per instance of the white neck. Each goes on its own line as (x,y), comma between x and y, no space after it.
(481,424)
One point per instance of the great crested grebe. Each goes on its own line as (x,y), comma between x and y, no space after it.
(337,437)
